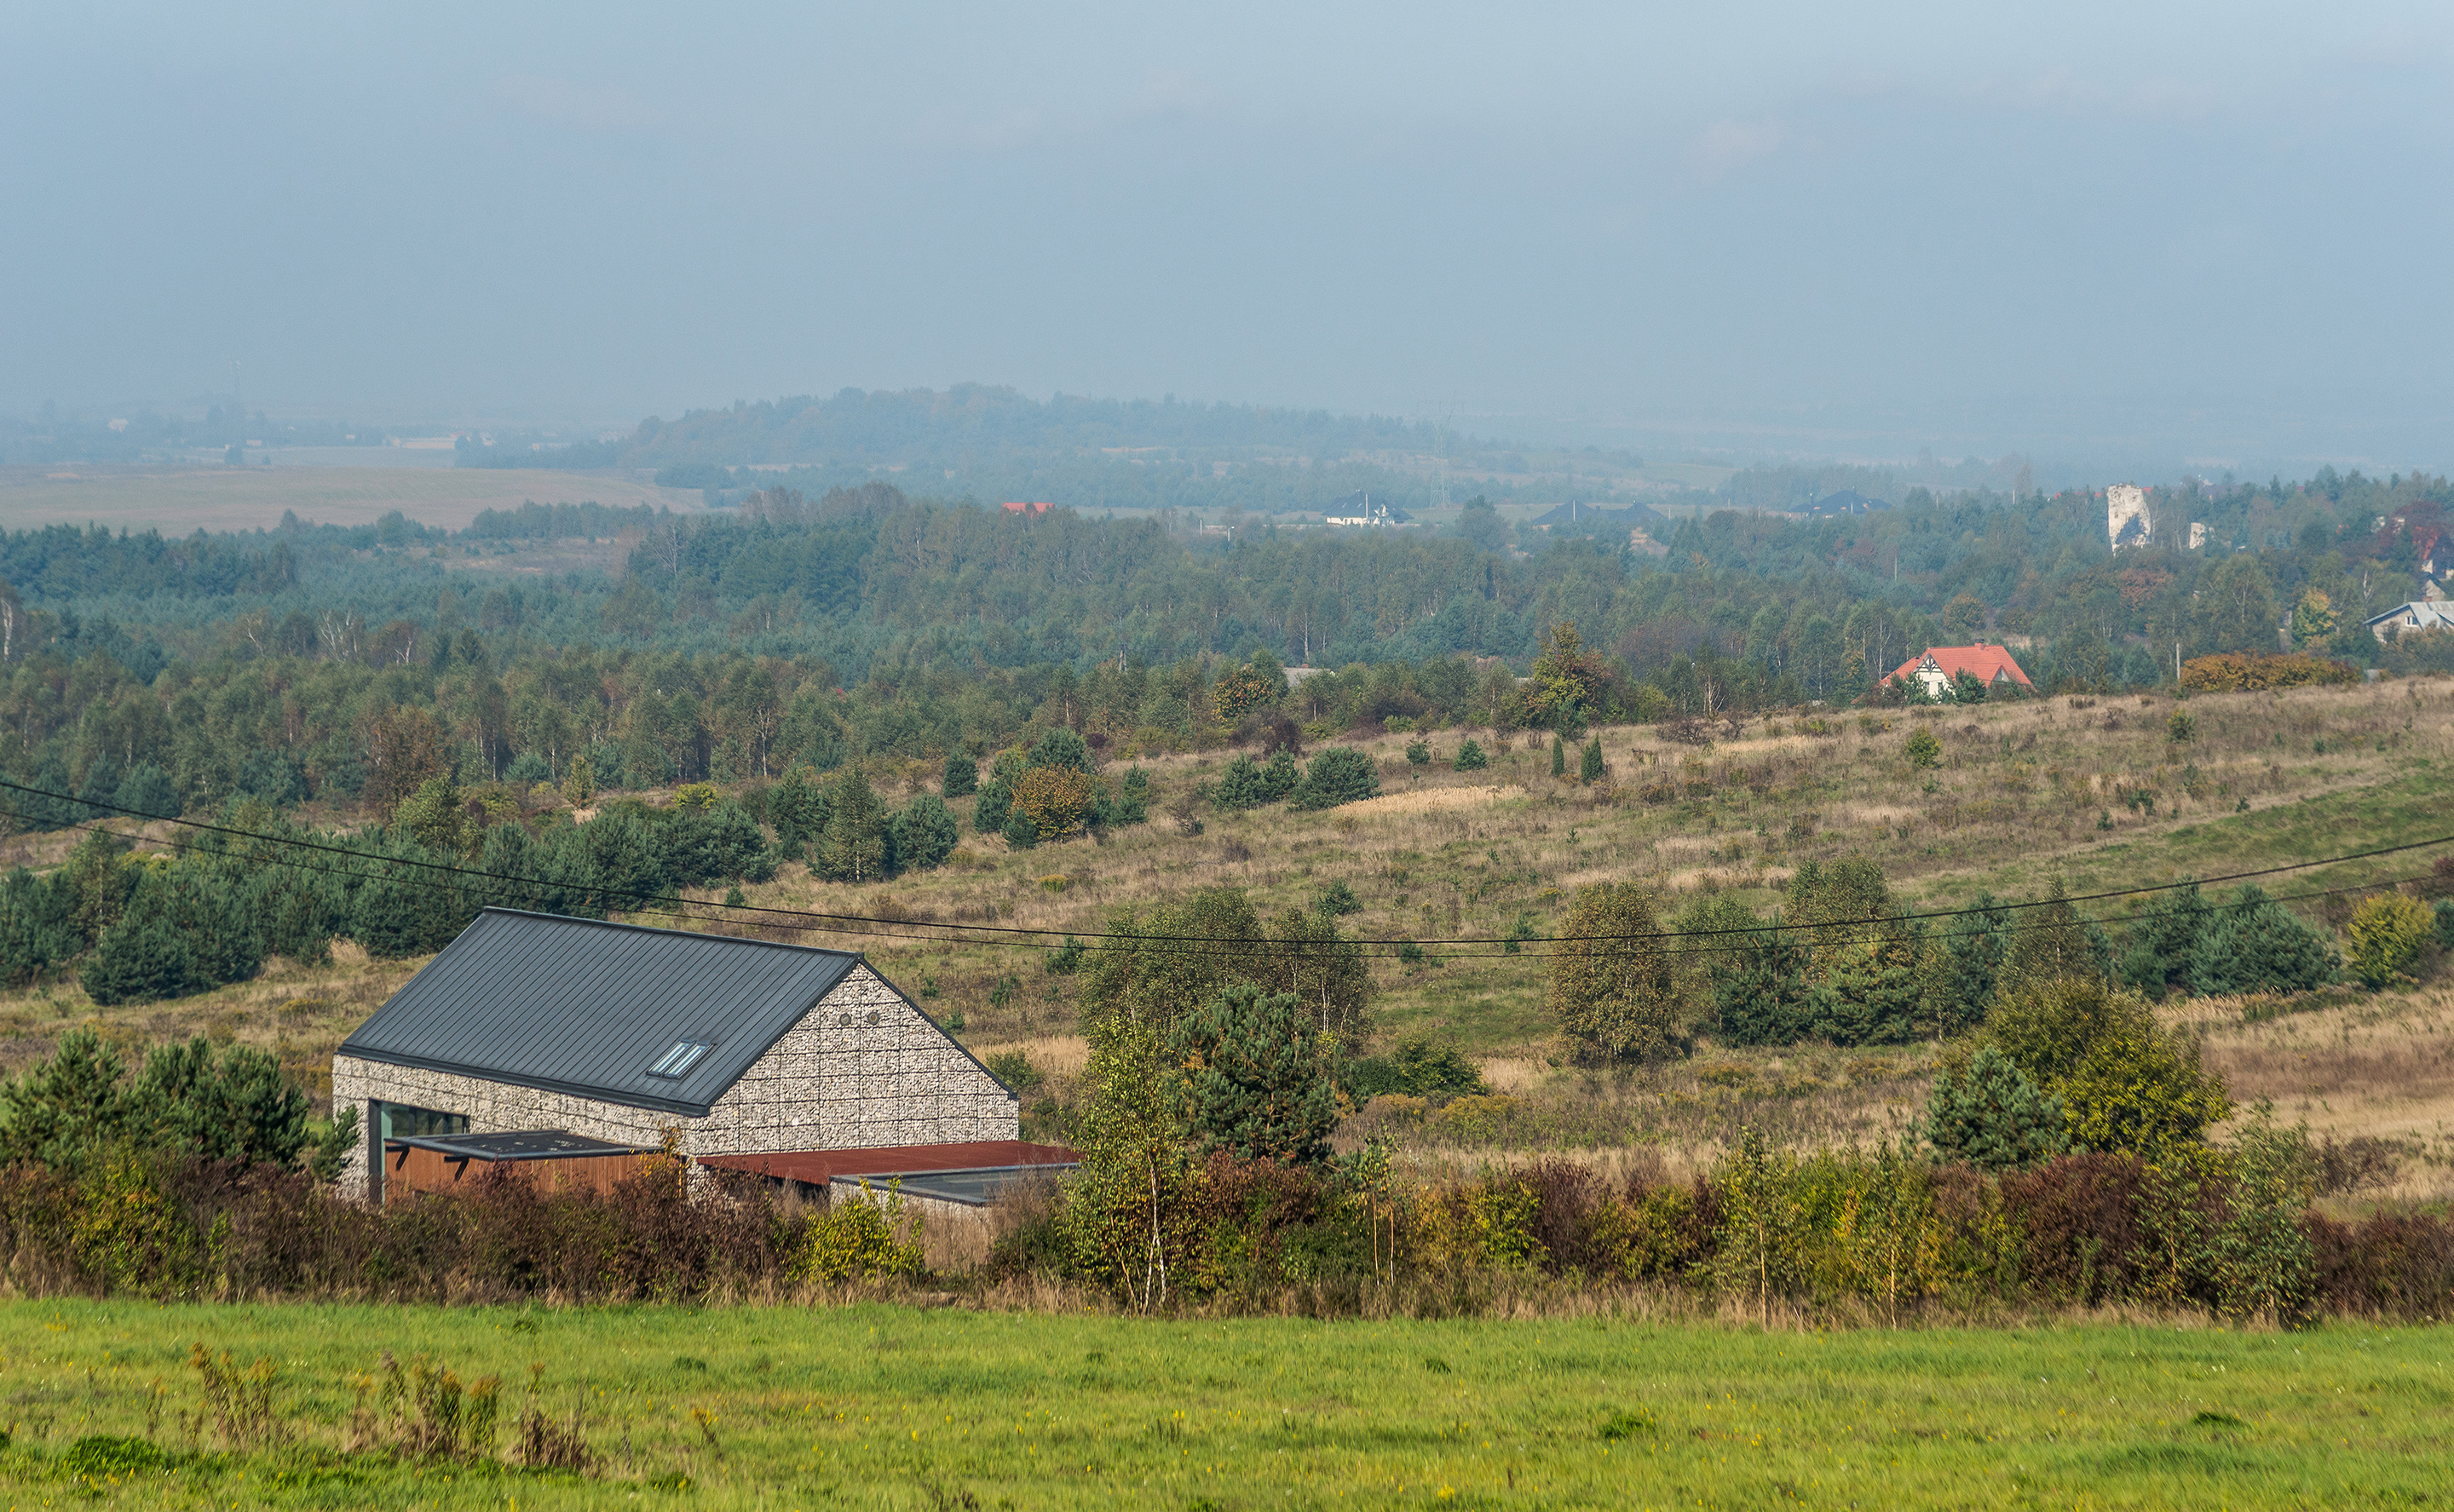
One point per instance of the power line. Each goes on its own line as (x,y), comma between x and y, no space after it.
(879,927)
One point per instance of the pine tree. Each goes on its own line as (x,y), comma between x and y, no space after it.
(2250,942)
(1558,757)
(1992,1115)
(1589,767)
(922,835)
(1760,994)
(962,775)
(1257,1078)
(2052,942)
(853,846)
(1470,758)
(142,959)
(1132,799)
(67,1106)
(1241,785)
(994,807)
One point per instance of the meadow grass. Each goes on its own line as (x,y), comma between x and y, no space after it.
(2028,793)
(888,1405)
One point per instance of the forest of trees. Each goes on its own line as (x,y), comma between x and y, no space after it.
(868,624)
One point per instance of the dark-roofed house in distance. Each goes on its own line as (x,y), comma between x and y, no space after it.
(624,1036)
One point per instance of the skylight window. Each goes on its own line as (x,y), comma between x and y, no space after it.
(675,1064)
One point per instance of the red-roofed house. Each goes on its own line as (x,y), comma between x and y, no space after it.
(1990,665)
(1013,507)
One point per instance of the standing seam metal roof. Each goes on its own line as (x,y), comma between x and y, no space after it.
(585,1008)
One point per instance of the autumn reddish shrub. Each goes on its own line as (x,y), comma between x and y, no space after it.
(2394,1264)
(2079,1222)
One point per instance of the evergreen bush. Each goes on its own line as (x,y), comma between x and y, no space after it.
(921,835)
(148,789)
(962,775)
(1470,758)
(1256,1079)
(1991,1115)
(1131,805)
(1341,774)
(994,807)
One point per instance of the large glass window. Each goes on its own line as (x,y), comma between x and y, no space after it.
(400,1121)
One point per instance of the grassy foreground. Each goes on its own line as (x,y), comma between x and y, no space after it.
(890,1406)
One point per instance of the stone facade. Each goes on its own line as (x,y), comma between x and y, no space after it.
(863,1068)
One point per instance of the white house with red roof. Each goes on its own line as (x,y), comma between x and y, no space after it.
(1939,665)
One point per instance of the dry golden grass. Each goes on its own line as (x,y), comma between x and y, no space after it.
(180,499)
(2380,1067)
(1429,801)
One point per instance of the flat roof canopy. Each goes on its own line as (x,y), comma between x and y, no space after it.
(532,1144)
(976,1187)
(819,1167)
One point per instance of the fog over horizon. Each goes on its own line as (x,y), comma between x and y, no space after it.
(2105,237)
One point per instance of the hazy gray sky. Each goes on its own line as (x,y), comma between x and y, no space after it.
(2218,230)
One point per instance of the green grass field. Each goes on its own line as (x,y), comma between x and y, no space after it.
(881,1405)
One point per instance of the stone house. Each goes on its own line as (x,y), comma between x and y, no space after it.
(626,1036)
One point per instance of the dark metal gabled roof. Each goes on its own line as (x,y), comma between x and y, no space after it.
(585,1008)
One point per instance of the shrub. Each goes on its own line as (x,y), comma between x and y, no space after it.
(2125,1084)
(1991,1115)
(1341,774)
(962,776)
(1418,752)
(2142,1090)
(2078,1223)
(2388,931)
(1470,758)
(2243,672)
(1015,1070)
(861,1239)
(1418,1067)
(1337,900)
(1590,765)
(1925,751)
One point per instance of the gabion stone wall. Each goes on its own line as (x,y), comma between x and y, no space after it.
(862,1070)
